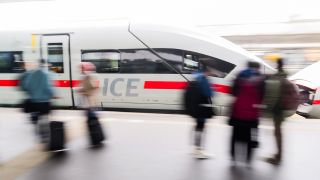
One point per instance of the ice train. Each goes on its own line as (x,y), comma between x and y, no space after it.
(139,65)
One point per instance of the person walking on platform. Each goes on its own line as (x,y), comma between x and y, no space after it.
(198,104)
(280,95)
(88,89)
(248,92)
(88,85)
(38,86)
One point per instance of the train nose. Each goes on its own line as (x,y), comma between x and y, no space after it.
(307,96)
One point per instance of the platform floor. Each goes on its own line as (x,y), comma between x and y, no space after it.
(152,146)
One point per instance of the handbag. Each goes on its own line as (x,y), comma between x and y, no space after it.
(206,110)
(27,106)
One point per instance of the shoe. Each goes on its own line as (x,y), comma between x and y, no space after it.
(202,156)
(274,161)
(199,154)
(97,146)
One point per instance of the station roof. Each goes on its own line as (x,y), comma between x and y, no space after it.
(292,34)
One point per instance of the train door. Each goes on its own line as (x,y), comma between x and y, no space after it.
(55,50)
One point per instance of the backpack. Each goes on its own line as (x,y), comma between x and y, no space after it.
(193,100)
(191,97)
(289,96)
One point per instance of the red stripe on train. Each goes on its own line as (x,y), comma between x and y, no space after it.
(164,85)
(221,88)
(66,83)
(8,83)
(316,102)
(181,85)
(147,85)
(57,83)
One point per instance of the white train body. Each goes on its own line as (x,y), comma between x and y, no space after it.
(129,59)
(309,83)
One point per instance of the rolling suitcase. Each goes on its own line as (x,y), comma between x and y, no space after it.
(96,133)
(57,136)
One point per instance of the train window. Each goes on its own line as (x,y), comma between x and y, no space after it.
(11,62)
(145,61)
(190,63)
(105,61)
(219,67)
(55,57)
(173,57)
(195,61)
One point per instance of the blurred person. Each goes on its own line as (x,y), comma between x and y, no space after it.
(248,92)
(39,87)
(280,95)
(88,89)
(88,86)
(198,104)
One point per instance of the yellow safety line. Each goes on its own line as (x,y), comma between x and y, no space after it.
(22,163)
(31,158)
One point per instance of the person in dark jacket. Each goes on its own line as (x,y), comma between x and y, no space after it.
(248,93)
(201,109)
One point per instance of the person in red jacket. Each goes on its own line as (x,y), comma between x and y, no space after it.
(248,93)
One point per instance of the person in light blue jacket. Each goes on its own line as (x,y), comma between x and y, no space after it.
(39,87)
